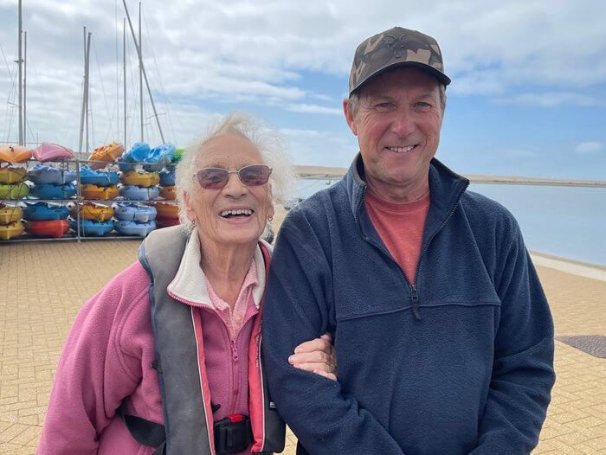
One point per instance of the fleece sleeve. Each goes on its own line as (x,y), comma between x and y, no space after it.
(297,306)
(523,373)
(94,375)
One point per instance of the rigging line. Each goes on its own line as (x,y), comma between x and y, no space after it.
(117,68)
(12,93)
(107,107)
(166,100)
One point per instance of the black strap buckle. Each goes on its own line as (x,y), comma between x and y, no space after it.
(233,434)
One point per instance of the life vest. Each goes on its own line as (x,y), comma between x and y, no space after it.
(179,350)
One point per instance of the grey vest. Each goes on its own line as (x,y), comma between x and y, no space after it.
(185,419)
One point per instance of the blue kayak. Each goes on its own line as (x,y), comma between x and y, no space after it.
(126,211)
(90,228)
(139,193)
(41,173)
(134,228)
(42,211)
(167,178)
(52,191)
(90,176)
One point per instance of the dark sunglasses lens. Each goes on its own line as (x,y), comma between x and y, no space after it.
(212,177)
(255,175)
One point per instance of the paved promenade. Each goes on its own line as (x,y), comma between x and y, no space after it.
(42,285)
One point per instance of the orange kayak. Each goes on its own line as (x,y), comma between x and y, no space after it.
(14,153)
(49,228)
(168,192)
(104,154)
(166,210)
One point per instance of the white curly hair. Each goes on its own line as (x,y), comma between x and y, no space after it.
(268,142)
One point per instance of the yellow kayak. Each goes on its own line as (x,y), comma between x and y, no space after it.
(94,212)
(140,178)
(10,214)
(99,192)
(11,230)
(12,174)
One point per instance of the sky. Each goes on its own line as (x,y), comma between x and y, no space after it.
(527,98)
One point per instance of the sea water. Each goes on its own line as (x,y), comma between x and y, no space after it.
(564,221)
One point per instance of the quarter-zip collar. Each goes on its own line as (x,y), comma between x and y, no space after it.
(189,285)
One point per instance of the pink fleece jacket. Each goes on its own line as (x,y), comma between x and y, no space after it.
(107,359)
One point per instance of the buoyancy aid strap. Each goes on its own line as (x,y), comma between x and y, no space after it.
(268,428)
(176,346)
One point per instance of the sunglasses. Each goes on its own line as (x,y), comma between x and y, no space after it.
(215,178)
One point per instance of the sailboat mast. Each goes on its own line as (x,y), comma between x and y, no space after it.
(140,76)
(124,70)
(20,63)
(84,113)
(24,88)
(151,98)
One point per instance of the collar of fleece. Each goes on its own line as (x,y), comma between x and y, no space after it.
(189,285)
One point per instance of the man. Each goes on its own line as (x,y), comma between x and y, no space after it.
(443,336)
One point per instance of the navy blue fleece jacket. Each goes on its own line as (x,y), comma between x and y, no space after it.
(458,362)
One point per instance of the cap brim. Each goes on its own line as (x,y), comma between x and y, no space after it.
(441,77)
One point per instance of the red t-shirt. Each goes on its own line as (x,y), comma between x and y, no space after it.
(400,227)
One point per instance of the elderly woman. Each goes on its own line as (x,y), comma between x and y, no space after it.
(189,378)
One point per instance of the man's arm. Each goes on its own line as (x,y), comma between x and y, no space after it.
(297,308)
(523,373)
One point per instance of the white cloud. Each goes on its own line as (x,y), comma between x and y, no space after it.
(551,100)
(315,109)
(203,53)
(589,148)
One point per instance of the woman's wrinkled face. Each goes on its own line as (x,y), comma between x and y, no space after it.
(235,214)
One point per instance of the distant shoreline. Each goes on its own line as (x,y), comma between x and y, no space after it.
(579,268)
(332,173)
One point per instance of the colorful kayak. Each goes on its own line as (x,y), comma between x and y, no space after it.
(10,213)
(93,212)
(167,178)
(52,191)
(16,191)
(104,154)
(168,192)
(43,211)
(124,227)
(42,173)
(166,222)
(167,210)
(90,176)
(90,228)
(12,174)
(126,211)
(139,193)
(50,228)
(12,230)
(99,192)
(52,152)
(14,153)
(140,178)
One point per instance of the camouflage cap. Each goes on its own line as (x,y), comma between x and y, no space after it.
(392,48)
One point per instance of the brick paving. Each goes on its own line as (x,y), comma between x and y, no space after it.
(42,286)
